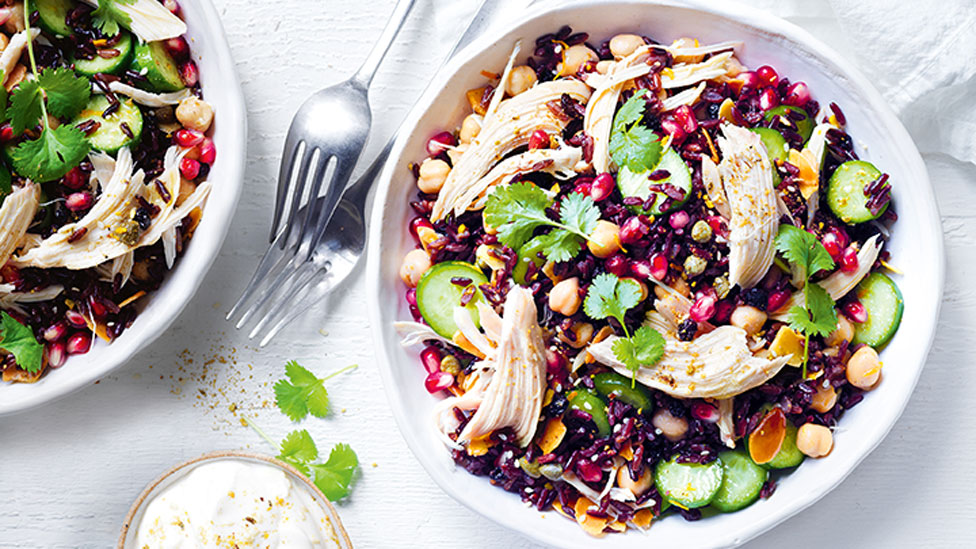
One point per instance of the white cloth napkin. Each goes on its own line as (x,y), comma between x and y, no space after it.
(919,54)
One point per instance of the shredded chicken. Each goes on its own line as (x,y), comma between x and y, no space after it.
(712,180)
(689,74)
(687,53)
(143,97)
(726,421)
(15,48)
(510,127)
(558,162)
(11,299)
(16,214)
(150,20)
(747,177)
(687,97)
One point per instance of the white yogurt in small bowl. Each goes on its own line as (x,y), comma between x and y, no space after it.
(232,499)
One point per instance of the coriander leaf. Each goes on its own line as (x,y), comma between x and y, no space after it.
(66,93)
(51,155)
(107,16)
(632,145)
(4,115)
(610,296)
(558,245)
(644,348)
(803,250)
(631,111)
(516,211)
(579,212)
(5,185)
(818,317)
(626,351)
(25,106)
(19,341)
(334,476)
(302,394)
(298,449)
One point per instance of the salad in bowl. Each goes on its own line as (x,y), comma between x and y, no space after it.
(106,148)
(647,280)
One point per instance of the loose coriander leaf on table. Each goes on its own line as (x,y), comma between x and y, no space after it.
(631,144)
(610,296)
(25,106)
(298,449)
(302,394)
(818,317)
(335,475)
(18,340)
(67,94)
(516,211)
(51,155)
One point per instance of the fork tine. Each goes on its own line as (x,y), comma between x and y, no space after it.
(304,297)
(322,170)
(340,178)
(304,165)
(289,290)
(294,263)
(285,173)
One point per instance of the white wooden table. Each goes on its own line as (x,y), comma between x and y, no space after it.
(69,471)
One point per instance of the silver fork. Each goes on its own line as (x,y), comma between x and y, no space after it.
(325,140)
(338,254)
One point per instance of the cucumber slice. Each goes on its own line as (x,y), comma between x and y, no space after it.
(437,296)
(883,301)
(588,401)
(622,389)
(52,16)
(741,483)
(636,184)
(529,252)
(776,148)
(845,191)
(804,127)
(108,65)
(157,65)
(110,135)
(789,455)
(688,485)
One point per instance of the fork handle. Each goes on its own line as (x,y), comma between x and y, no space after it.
(366,72)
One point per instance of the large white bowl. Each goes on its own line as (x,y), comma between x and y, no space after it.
(916,247)
(222,89)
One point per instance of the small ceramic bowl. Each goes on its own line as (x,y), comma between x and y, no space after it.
(130,526)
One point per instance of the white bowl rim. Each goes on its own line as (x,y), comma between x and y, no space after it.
(734,11)
(205,245)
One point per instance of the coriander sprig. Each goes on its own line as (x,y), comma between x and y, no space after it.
(107,16)
(807,256)
(303,393)
(632,144)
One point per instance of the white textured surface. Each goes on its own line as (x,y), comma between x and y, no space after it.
(71,469)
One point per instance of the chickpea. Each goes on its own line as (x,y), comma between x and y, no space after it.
(520,79)
(843,332)
(564,297)
(673,428)
(748,318)
(638,487)
(582,333)
(684,43)
(864,368)
(603,67)
(814,440)
(433,174)
(195,114)
(824,399)
(470,128)
(623,45)
(575,57)
(604,241)
(414,265)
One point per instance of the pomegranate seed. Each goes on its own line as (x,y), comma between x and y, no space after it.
(641,269)
(582,188)
(723,311)
(188,138)
(674,129)
(75,318)
(589,471)
(659,266)
(848,260)
(718,226)
(555,361)
(178,48)
(768,99)
(173,6)
(418,223)
(539,140)
(679,219)
(618,265)
(704,412)
(438,381)
(208,151)
(77,202)
(79,343)
(411,296)
(767,75)
(440,143)
(834,241)
(601,187)
(74,179)
(416,313)
(6,133)
(190,168)
(777,300)
(56,354)
(189,73)
(748,79)
(703,308)
(633,230)
(431,359)
(55,331)
(797,94)
(684,116)
(855,311)
(97,308)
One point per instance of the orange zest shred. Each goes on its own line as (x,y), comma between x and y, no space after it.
(98,329)
(132,298)
(463,343)
(711,146)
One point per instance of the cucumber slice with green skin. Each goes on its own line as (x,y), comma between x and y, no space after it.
(437,296)
(804,127)
(741,483)
(789,455)
(688,485)
(637,184)
(885,305)
(622,388)
(776,148)
(108,65)
(157,65)
(845,191)
(528,252)
(587,401)
(52,16)
(110,135)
